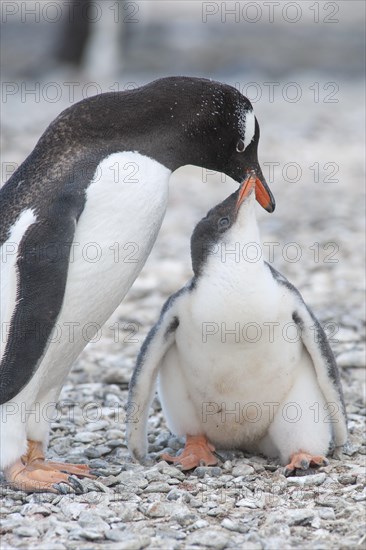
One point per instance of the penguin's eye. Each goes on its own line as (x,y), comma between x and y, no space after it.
(240,146)
(223,223)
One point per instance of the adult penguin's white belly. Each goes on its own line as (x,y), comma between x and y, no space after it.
(124,208)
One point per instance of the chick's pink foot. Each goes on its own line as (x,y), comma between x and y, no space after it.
(303,461)
(197,451)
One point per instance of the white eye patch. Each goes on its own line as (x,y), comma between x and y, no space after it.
(249,129)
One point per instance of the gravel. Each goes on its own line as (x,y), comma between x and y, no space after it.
(246,501)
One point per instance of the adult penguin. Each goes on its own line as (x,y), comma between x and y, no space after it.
(77,222)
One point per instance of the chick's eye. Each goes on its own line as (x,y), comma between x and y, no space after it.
(223,223)
(240,146)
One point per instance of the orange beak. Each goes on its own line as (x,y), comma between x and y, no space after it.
(262,192)
(246,187)
(262,195)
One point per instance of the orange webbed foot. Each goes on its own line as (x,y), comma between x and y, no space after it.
(197,452)
(32,479)
(81,470)
(303,461)
(32,473)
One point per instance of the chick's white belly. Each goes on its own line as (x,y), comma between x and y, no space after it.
(229,392)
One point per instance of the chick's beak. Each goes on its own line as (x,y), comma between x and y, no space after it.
(262,191)
(263,194)
(248,184)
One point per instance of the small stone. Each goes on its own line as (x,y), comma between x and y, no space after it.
(274,543)
(230,525)
(134,542)
(213,512)
(299,517)
(71,510)
(109,481)
(201,471)
(227,466)
(114,434)
(116,376)
(351,449)
(173,481)
(162,439)
(128,512)
(307,481)
(96,452)
(214,537)
(169,533)
(184,517)
(34,508)
(349,321)
(174,494)
(88,534)
(252,503)
(97,426)
(90,519)
(326,513)
(346,335)
(243,470)
(359,497)
(157,487)
(26,531)
(154,475)
(98,464)
(171,471)
(158,510)
(200,524)
(112,399)
(116,443)
(86,437)
(170,509)
(116,535)
(268,467)
(258,468)
(347,479)
(352,358)
(175,443)
(258,545)
(133,480)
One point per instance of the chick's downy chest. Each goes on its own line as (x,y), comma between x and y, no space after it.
(231,344)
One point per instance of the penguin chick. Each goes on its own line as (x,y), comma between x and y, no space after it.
(241,361)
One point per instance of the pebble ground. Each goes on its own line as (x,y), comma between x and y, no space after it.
(246,501)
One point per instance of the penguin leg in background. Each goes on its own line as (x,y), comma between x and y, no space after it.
(158,343)
(313,414)
(41,280)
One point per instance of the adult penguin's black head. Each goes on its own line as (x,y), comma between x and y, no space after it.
(208,124)
(174,120)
